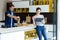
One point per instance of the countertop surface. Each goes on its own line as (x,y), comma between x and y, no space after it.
(22,28)
(15,29)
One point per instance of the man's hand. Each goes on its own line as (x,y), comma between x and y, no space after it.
(17,18)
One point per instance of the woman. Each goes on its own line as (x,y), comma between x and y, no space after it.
(39,21)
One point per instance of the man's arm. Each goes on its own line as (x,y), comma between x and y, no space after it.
(12,16)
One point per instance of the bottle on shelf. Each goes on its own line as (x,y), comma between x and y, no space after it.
(16,10)
(47,2)
(27,10)
(50,5)
(34,3)
(20,10)
(44,1)
(39,2)
(28,19)
(23,10)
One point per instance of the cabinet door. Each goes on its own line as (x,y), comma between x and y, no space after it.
(19,35)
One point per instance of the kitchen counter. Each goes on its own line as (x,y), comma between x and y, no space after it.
(15,29)
(18,33)
(23,28)
(15,33)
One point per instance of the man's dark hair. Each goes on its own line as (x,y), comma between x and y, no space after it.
(38,8)
(11,5)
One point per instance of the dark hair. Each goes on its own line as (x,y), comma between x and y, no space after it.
(38,8)
(11,5)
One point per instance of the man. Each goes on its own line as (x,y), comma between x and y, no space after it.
(39,21)
(10,16)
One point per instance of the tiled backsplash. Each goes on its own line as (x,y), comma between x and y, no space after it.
(49,16)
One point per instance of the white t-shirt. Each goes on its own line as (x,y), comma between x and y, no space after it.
(38,20)
(11,18)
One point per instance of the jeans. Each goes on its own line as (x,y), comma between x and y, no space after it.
(41,31)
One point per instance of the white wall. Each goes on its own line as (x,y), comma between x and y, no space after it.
(20,0)
(44,8)
(22,4)
(2,8)
(13,0)
(58,15)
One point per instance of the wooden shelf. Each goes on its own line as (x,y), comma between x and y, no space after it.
(21,10)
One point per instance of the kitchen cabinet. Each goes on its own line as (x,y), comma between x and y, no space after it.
(16,33)
(24,33)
